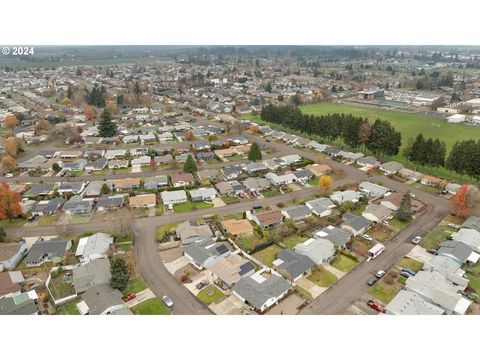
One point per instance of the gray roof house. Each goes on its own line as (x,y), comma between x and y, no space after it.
(191,231)
(47,207)
(376,213)
(232,172)
(297,213)
(369,161)
(348,195)
(203,253)
(173,197)
(321,207)
(470,237)
(458,251)
(104,300)
(256,184)
(473,222)
(372,189)
(93,189)
(40,190)
(318,250)
(295,265)
(51,250)
(18,305)
(155,182)
(260,292)
(390,168)
(336,236)
(98,164)
(410,303)
(77,205)
(110,202)
(203,194)
(254,167)
(355,224)
(71,187)
(95,272)
(94,246)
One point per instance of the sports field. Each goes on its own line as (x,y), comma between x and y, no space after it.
(410,125)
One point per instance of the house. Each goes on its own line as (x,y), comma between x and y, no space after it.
(208,174)
(293,265)
(238,227)
(107,203)
(348,195)
(457,118)
(473,222)
(336,236)
(118,164)
(71,188)
(155,182)
(205,252)
(21,304)
(11,253)
(163,159)
(104,300)
(391,167)
(93,189)
(92,247)
(47,207)
(254,167)
(11,283)
(191,231)
(371,189)
(445,265)
(297,213)
(368,161)
(376,213)
(38,161)
(291,159)
(318,250)
(144,201)
(452,188)
(46,251)
(77,205)
(115,154)
(205,155)
(170,198)
(40,190)
(280,179)
(357,225)
(321,207)
(256,184)
(230,269)
(410,174)
(469,237)
(302,175)
(266,219)
(230,188)
(261,292)
(410,303)
(98,164)
(141,161)
(92,273)
(127,184)
(459,252)
(392,201)
(232,172)
(433,181)
(182,179)
(75,165)
(203,194)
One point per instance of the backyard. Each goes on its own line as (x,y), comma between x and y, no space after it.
(293,240)
(436,236)
(61,285)
(152,306)
(268,255)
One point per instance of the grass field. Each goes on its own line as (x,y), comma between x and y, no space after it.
(383,292)
(343,263)
(322,277)
(268,255)
(438,234)
(412,264)
(135,285)
(410,125)
(153,306)
(191,205)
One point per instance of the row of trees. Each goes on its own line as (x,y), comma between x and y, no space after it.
(380,138)
(464,158)
(426,151)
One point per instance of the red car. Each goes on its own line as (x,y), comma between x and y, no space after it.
(376,305)
(129,297)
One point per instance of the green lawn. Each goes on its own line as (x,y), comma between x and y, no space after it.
(322,277)
(235,157)
(230,199)
(46,220)
(270,192)
(164,229)
(400,225)
(436,236)
(268,255)
(343,263)
(412,264)
(473,275)
(69,308)
(211,294)
(383,292)
(314,181)
(14,222)
(303,293)
(191,205)
(135,285)
(293,240)
(60,289)
(124,242)
(359,210)
(247,243)
(153,306)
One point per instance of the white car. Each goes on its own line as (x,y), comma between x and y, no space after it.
(380,274)
(416,240)
(167,301)
(367,237)
(8,176)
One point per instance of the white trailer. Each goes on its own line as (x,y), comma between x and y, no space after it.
(375,251)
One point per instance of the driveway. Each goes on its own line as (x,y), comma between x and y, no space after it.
(420,254)
(311,287)
(141,296)
(218,202)
(175,265)
(231,305)
(288,306)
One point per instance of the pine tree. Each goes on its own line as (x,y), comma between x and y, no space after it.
(106,127)
(404,211)
(119,273)
(190,165)
(255,153)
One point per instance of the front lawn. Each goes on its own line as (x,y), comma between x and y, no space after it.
(398,224)
(322,277)
(383,292)
(135,285)
(436,236)
(165,229)
(124,242)
(211,294)
(268,255)
(380,232)
(14,222)
(46,220)
(270,192)
(412,264)
(343,263)
(153,306)
(191,205)
(230,200)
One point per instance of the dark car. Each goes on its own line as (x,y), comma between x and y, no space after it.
(433,251)
(32,218)
(376,305)
(372,281)
(409,271)
(257,206)
(202,284)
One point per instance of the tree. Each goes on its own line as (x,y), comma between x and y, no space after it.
(70,93)
(439,102)
(9,203)
(254,129)
(119,274)
(56,167)
(105,189)
(189,135)
(325,184)
(268,87)
(42,127)
(255,153)
(153,164)
(11,146)
(10,121)
(384,139)
(106,127)
(137,90)
(8,163)
(89,113)
(3,234)
(96,96)
(459,203)
(190,165)
(404,211)
(297,99)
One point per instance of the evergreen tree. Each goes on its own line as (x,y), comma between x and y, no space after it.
(106,127)
(255,153)
(190,165)
(137,90)
(70,93)
(3,234)
(404,211)
(384,139)
(119,273)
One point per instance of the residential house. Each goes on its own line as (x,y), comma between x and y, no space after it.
(291,159)
(11,283)
(77,205)
(472,222)
(230,269)
(297,213)
(21,304)
(318,250)
(336,236)
(433,181)
(321,207)
(182,179)
(66,188)
(191,231)
(141,161)
(256,184)
(303,175)
(410,174)
(238,227)
(104,300)
(376,213)
(47,207)
(93,189)
(469,237)
(368,161)
(144,201)
(392,201)
(96,165)
(46,251)
(118,164)
(203,194)
(391,167)
(40,190)
(75,165)
(208,174)
(155,182)
(232,172)
(127,184)
(340,197)
(170,198)
(254,167)
(459,252)
(163,159)
(11,253)
(293,265)
(230,188)
(266,219)
(357,225)
(107,203)
(371,189)
(93,247)
(280,179)
(202,253)
(90,274)
(410,303)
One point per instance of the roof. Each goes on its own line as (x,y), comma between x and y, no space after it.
(8,283)
(173,195)
(8,306)
(336,236)
(320,205)
(50,248)
(203,192)
(201,251)
(101,297)
(237,227)
(378,211)
(297,212)
(191,231)
(318,250)
(258,293)
(343,196)
(470,237)
(473,222)
(96,244)
(9,250)
(373,189)
(355,222)
(410,303)
(142,200)
(127,183)
(318,169)
(231,269)
(456,249)
(182,177)
(293,263)
(395,198)
(95,272)
(269,217)
(391,166)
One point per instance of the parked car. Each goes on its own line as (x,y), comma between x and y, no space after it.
(372,281)
(257,206)
(455,226)
(32,218)
(410,271)
(167,301)
(416,240)
(380,274)
(376,305)
(9,175)
(202,284)
(129,297)
(367,237)
(433,251)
